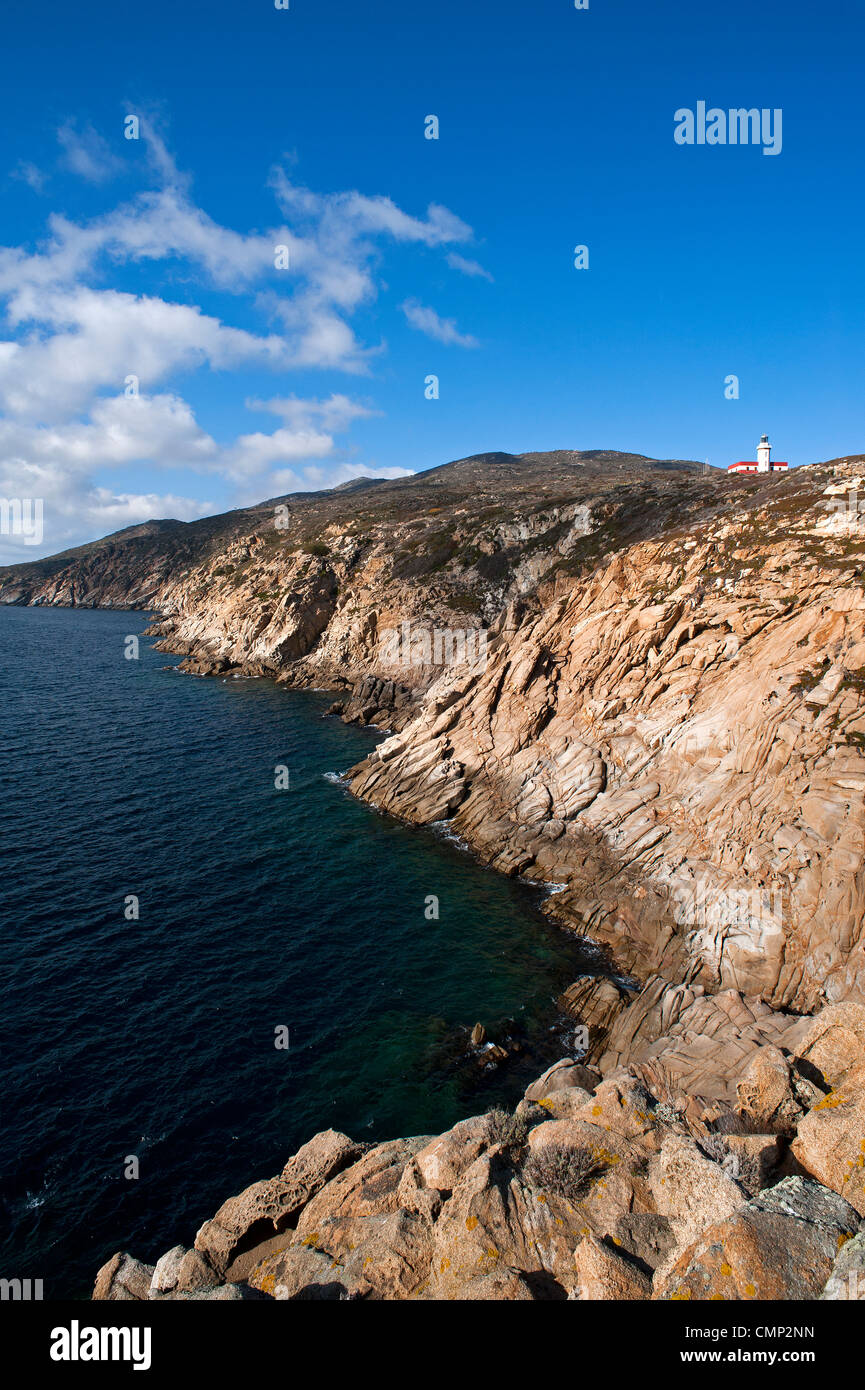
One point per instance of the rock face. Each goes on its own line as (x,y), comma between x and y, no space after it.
(831,1140)
(707,825)
(665,717)
(622,1188)
(124,1279)
(268,1207)
(635,682)
(782,1245)
(847,1281)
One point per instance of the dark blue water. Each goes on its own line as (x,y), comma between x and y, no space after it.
(259,908)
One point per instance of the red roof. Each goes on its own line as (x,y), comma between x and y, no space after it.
(752,463)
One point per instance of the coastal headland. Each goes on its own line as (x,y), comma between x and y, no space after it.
(639,682)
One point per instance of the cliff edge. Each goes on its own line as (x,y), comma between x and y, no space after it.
(622,1189)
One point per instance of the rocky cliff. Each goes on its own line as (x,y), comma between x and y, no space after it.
(633,679)
(624,1188)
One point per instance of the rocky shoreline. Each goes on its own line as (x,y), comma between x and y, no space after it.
(667,725)
(675,742)
(622,1189)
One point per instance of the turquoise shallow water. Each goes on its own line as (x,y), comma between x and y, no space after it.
(259,909)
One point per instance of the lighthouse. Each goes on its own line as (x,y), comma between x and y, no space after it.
(764,463)
(764,454)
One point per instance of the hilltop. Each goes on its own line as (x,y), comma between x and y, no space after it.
(128,567)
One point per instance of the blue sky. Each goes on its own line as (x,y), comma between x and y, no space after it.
(412,257)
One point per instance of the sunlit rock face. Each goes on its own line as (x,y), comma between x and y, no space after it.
(633,680)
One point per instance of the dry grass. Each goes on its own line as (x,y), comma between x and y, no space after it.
(567,1172)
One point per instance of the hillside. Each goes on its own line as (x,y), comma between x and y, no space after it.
(662,716)
(130,566)
(670,697)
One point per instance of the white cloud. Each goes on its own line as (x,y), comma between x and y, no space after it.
(319,337)
(28,173)
(129,508)
(161,430)
(254,453)
(467,267)
(313,478)
(443,330)
(334,254)
(74,509)
(74,332)
(96,338)
(306,433)
(347,216)
(87,153)
(336,413)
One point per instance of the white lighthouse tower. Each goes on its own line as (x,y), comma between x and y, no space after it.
(764,462)
(764,453)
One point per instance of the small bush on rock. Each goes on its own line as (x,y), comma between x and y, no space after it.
(743,1168)
(511,1131)
(568,1172)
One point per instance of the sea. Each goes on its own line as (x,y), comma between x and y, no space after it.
(209,950)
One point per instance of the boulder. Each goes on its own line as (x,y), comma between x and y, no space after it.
(835,1041)
(830,1143)
(691,1190)
(368,1188)
(123,1279)
(604,1146)
(383,1257)
(318,1161)
(602,1273)
(846,1283)
(390,1258)
(561,1076)
(194,1273)
(765,1093)
(494,1223)
(621,1105)
(271,1206)
(166,1272)
(442,1162)
(244,1221)
(781,1245)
